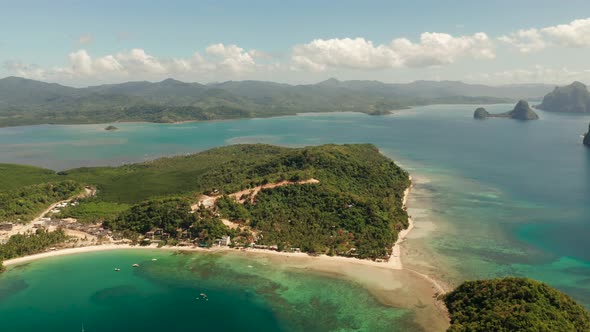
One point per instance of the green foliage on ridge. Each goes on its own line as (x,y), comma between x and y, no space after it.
(28,102)
(513,304)
(348,175)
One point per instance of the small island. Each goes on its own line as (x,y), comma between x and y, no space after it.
(481,113)
(587,137)
(111,128)
(522,111)
(573,98)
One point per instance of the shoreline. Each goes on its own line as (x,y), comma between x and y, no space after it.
(389,282)
(394,261)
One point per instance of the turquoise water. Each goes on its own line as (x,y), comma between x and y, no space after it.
(491,198)
(64,293)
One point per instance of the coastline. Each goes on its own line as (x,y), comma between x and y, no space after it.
(394,261)
(390,283)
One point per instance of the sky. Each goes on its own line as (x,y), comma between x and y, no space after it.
(80,43)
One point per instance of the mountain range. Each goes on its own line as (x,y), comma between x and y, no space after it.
(24,101)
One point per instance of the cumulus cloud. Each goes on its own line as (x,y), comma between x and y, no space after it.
(138,64)
(232,57)
(575,34)
(434,49)
(525,41)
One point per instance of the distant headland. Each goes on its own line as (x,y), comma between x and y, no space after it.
(573,98)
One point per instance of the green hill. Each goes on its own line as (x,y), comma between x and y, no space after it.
(356,204)
(514,304)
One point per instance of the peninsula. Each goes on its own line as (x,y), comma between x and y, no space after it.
(522,111)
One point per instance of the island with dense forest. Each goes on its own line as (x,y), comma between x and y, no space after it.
(573,98)
(513,304)
(522,111)
(338,200)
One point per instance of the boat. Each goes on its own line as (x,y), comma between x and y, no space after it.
(135,265)
(117,269)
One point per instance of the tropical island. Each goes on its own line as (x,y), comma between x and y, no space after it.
(573,98)
(522,111)
(336,200)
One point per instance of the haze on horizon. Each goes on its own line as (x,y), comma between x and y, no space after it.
(80,44)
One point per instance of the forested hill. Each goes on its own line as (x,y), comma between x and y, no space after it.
(25,102)
(513,304)
(355,208)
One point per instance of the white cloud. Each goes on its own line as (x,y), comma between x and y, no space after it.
(232,57)
(434,49)
(525,41)
(537,74)
(221,60)
(575,34)
(23,70)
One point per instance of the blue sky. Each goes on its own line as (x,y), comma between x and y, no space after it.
(84,42)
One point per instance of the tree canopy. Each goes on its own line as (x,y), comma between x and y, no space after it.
(513,304)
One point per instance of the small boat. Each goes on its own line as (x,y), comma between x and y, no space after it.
(154,259)
(135,265)
(117,269)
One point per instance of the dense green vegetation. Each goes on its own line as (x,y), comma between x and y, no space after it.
(320,220)
(359,194)
(513,304)
(24,203)
(31,243)
(27,102)
(174,217)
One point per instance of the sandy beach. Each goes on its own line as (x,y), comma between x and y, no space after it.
(389,282)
